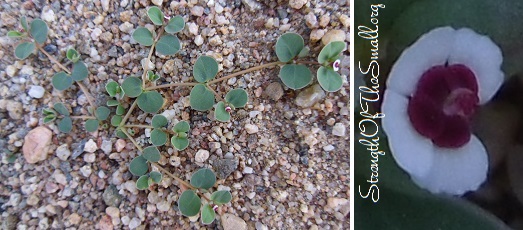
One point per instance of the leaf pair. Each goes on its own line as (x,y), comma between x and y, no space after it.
(62,80)
(38,31)
(139,166)
(146,180)
(205,69)
(65,123)
(179,140)
(174,25)
(158,136)
(236,98)
(329,79)
(190,203)
(101,114)
(148,101)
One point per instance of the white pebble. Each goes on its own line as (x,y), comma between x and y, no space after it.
(201,155)
(198,40)
(248,170)
(90,146)
(251,129)
(338,130)
(86,170)
(328,148)
(36,91)
(89,157)
(48,15)
(63,152)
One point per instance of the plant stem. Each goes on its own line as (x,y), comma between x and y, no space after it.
(246,71)
(214,92)
(144,75)
(171,85)
(128,113)
(139,126)
(80,84)
(132,140)
(82,117)
(307,62)
(173,176)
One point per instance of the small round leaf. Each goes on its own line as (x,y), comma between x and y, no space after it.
(121,134)
(288,46)
(24,49)
(150,102)
(203,178)
(132,86)
(39,30)
(201,98)
(120,110)
(189,203)
(138,166)
(116,120)
(156,176)
(237,98)
(62,81)
(159,121)
(112,103)
(72,55)
(221,197)
(304,52)
(329,79)
(80,71)
(180,143)
(23,22)
(61,109)
(111,88)
(295,76)
(205,69)
(156,15)
(142,183)
(181,127)
(175,25)
(102,113)
(330,52)
(168,45)
(208,214)
(143,36)
(220,113)
(14,34)
(65,125)
(91,125)
(158,137)
(151,154)
(49,118)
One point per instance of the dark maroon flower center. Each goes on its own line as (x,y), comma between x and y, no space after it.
(443,104)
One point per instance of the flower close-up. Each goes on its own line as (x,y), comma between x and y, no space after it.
(433,91)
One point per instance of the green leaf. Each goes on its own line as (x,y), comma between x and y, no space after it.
(102,113)
(168,45)
(138,166)
(189,203)
(156,15)
(39,30)
(46,112)
(158,137)
(49,118)
(288,46)
(203,178)
(304,52)
(62,81)
(150,102)
(151,76)
(220,113)
(159,121)
(14,34)
(208,214)
(237,98)
(295,76)
(151,154)
(91,125)
(221,197)
(23,22)
(132,86)
(201,98)
(112,103)
(65,125)
(61,109)
(116,120)
(111,88)
(329,79)
(143,36)
(175,25)
(80,71)
(331,52)
(72,55)
(121,134)
(205,69)
(142,183)
(156,176)
(24,49)
(120,110)
(180,143)
(182,127)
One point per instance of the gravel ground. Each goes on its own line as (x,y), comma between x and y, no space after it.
(289,149)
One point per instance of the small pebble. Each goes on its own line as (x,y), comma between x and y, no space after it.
(90,146)
(338,130)
(36,91)
(63,152)
(251,129)
(201,156)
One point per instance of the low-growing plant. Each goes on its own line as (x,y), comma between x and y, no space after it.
(143,92)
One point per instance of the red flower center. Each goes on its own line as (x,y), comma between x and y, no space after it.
(443,104)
